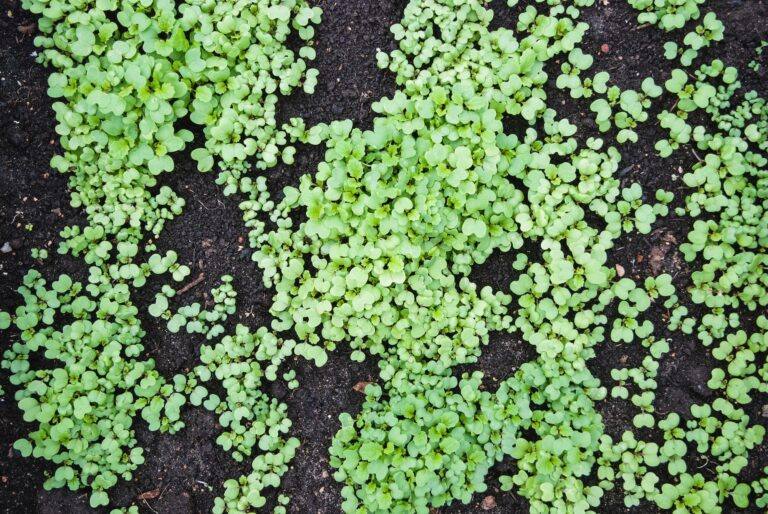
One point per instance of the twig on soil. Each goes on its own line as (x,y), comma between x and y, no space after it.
(207,486)
(28,28)
(643,26)
(192,284)
(626,170)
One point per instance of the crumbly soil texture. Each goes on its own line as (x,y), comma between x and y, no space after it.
(183,473)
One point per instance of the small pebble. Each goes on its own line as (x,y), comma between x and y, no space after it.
(6,248)
(488,503)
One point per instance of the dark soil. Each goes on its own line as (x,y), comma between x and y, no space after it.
(188,469)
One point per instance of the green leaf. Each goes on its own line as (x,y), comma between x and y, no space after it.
(5,320)
(370,451)
(474,227)
(643,420)
(23,446)
(279,12)
(99,499)
(449,445)
(81,407)
(463,157)
(740,495)
(204,159)
(84,41)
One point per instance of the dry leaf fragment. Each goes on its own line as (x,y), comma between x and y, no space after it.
(360,386)
(656,260)
(149,495)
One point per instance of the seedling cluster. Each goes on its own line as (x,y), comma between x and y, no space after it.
(373,251)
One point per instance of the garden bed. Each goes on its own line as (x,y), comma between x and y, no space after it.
(184,472)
